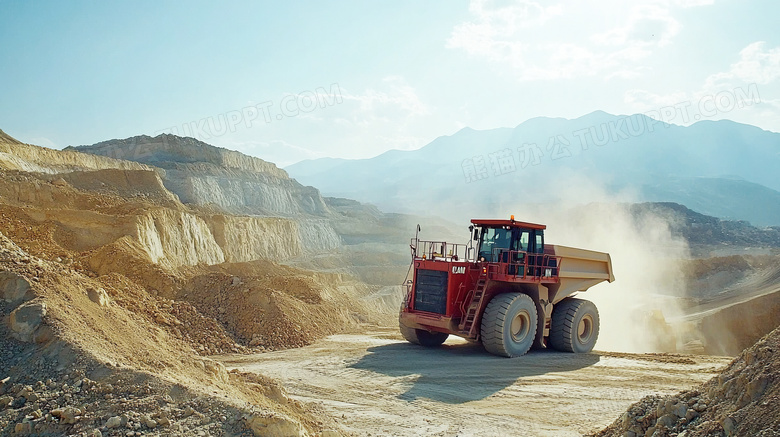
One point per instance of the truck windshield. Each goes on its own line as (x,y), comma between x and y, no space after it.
(492,241)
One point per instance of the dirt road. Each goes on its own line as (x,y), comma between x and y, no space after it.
(378,385)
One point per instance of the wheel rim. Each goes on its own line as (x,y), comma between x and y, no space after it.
(520,326)
(585,329)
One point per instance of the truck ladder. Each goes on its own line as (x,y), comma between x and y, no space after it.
(468,326)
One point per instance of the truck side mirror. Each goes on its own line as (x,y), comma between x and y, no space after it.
(476,234)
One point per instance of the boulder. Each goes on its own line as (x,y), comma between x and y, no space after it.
(729,426)
(756,387)
(67,415)
(667,421)
(26,319)
(14,288)
(23,428)
(114,422)
(98,295)
(70,415)
(680,409)
(148,422)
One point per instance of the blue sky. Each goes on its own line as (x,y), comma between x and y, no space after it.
(287,81)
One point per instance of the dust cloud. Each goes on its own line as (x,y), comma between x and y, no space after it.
(646,260)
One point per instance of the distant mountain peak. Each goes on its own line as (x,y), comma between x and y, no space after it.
(598,113)
(538,160)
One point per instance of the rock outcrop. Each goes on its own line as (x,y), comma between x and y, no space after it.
(202,174)
(43,160)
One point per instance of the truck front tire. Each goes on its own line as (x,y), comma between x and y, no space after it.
(575,326)
(509,325)
(421,336)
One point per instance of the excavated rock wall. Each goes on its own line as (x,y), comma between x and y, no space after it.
(171,234)
(165,149)
(25,157)
(175,238)
(243,192)
(202,174)
(248,238)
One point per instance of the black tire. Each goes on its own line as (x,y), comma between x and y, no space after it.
(575,326)
(421,336)
(540,340)
(509,325)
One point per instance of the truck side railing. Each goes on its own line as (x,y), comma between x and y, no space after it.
(439,250)
(526,265)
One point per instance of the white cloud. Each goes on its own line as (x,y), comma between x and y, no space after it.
(756,65)
(647,26)
(693,3)
(566,40)
(742,93)
(646,101)
(396,98)
(389,114)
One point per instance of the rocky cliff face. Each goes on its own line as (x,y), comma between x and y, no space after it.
(15,155)
(206,175)
(250,238)
(247,209)
(97,201)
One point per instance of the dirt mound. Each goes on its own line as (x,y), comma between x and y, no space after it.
(264,304)
(719,277)
(732,302)
(730,329)
(79,351)
(744,400)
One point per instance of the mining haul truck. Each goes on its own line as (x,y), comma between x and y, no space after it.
(506,288)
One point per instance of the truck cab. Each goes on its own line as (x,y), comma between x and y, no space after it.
(495,242)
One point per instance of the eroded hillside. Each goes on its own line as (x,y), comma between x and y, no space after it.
(108,278)
(203,174)
(323,233)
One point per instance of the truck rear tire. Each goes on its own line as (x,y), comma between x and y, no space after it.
(421,336)
(509,325)
(575,326)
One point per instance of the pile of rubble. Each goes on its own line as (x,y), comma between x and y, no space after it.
(86,398)
(744,400)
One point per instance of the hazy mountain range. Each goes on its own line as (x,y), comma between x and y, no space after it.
(720,168)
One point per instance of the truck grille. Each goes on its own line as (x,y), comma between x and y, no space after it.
(431,291)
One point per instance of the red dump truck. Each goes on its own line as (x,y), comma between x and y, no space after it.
(506,288)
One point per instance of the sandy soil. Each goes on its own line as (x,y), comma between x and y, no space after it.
(377,384)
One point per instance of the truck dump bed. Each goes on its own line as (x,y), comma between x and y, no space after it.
(579,269)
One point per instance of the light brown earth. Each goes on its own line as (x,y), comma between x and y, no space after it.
(377,384)
(743,400)
(114,291)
